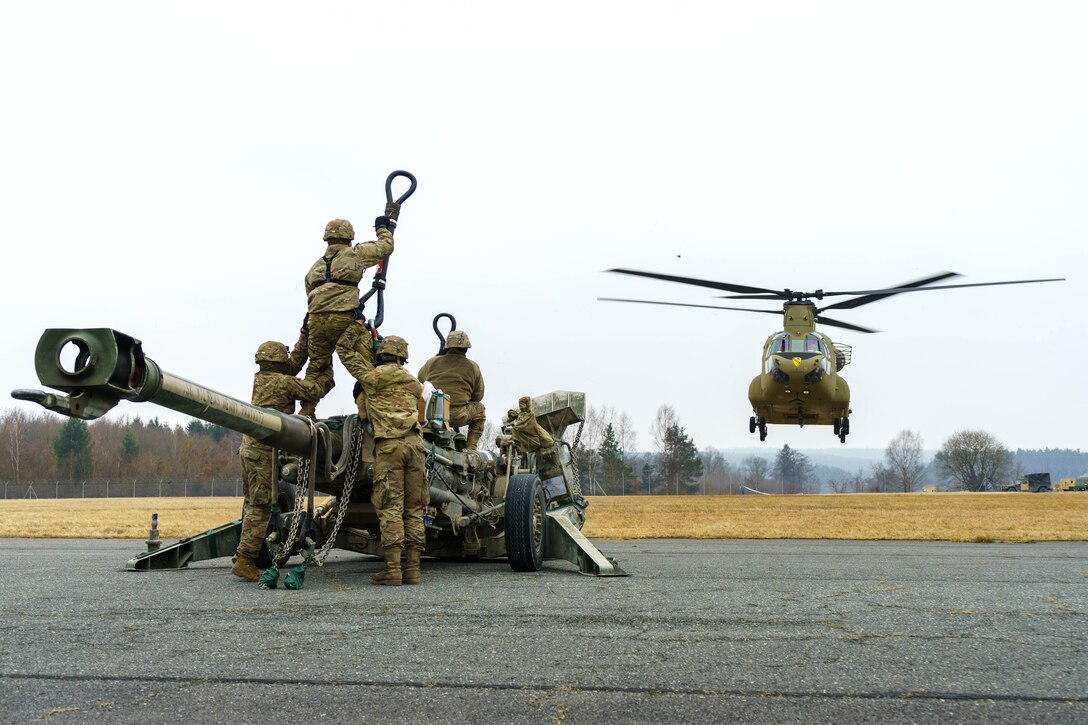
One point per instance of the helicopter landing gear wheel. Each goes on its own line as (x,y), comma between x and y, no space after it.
(761,423)
(842,428)
(752,424)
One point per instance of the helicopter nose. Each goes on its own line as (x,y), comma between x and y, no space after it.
(795,368)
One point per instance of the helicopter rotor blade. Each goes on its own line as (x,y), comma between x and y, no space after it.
(724,286)
(685,304)
(850,304)
(879,294)
(821,320)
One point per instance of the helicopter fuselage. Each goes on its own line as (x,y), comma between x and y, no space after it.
(799,382)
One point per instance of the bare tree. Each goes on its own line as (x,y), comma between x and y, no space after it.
(626,437)
(755,471)
(717,476)
(15,423)
(664,419)
(838,485)
(487,439)
(904,456)
(975,459)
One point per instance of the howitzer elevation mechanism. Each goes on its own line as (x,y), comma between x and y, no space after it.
(523,502)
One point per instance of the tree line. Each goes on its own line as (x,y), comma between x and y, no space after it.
(43,447)
(40,447)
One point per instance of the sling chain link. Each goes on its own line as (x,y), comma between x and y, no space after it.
(354,454)
(576,483)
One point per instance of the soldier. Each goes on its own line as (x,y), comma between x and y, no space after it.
(391,401)
(332,292)
(274,386)
(460,378)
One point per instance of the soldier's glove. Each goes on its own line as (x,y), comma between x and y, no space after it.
(392,210)
(305,324)
(384,221)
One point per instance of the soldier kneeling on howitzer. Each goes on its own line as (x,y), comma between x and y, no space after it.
(390,400)
(274,386)
(460,378)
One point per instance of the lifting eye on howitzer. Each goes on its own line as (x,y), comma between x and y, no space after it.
(392,210)
(389,186)
(441,337)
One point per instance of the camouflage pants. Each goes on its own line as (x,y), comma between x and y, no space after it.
(337,331)
(400,492)
(471,414)
(257,488)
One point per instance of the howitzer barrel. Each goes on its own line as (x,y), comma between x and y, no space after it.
(100,367)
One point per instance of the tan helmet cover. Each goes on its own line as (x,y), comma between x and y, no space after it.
(271,351)
(458,339)
(393,345)
(339,229)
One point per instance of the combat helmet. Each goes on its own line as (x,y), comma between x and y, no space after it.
(458,340)
(339,229)
(395,346)
(271,351)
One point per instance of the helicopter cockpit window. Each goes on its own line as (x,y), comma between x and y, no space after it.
(785,345)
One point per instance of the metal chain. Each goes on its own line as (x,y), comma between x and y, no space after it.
(354,454)
(576,482)
(301,488)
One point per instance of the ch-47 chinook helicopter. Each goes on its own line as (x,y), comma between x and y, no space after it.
(800,382)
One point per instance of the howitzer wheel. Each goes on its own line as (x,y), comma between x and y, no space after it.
(525,513)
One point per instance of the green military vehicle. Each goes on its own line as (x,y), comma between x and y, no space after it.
(1032,482)
(1079,483)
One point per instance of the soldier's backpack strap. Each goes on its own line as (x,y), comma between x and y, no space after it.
(328,275)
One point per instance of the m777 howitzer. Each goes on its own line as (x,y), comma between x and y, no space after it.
(523,503)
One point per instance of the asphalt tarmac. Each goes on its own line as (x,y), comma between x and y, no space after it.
(748,631)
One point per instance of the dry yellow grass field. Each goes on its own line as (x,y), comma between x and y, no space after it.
(1019,517)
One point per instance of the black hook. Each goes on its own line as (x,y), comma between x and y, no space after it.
(434,326)
(389,186)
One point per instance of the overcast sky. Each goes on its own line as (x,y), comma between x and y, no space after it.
(168,169)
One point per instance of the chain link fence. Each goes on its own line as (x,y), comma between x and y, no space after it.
(122,488)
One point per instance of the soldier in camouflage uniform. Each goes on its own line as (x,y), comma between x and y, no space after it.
(274,386)
(391,402)
(332,293)
(460,378)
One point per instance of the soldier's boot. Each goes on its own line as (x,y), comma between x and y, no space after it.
(390,576)
(411,567)
(246,568)
(472,438)
(308,410)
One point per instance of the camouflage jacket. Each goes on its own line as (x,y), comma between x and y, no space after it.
(390,394)
(280,390)
(297,359)
(345,264)
(456,376)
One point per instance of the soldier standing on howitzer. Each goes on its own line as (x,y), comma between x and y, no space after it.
(274,386)
(460,378)
(332,293)
(391,401)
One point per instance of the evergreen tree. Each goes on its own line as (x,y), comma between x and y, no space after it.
(792,468)
(72,447)
(649,477)
(614,471)
(680,462)
(129,450)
